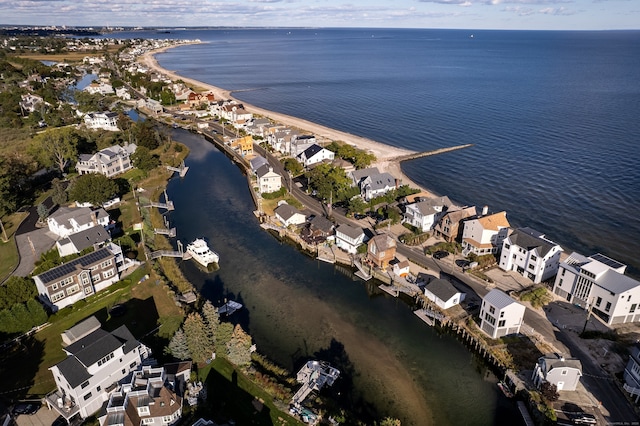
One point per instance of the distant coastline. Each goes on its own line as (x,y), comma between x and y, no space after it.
(386,155)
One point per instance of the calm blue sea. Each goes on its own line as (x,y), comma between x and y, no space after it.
(554,116)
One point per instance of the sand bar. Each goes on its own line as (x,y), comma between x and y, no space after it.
(385,154)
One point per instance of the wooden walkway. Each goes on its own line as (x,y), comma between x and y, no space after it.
(430,153)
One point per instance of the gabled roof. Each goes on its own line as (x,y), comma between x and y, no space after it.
(68,268)
(358,175)
(455,216)
(551,361)
(350,231)
(494,222)
(81,215)
(257,162)
(383,242)
(428,206)
(322,224)
(264,170)
(531,239)
(442,289)
(87,238)
(286,211)
(81,330)
(380,181)
(499,299)
(312,150)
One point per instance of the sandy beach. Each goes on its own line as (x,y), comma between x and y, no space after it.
(385,154)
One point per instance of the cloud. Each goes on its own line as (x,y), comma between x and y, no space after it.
(520,11)
(454,2)
(557,11)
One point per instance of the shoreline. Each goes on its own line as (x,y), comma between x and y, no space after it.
(385,154)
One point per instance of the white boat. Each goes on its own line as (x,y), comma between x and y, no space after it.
(201,252)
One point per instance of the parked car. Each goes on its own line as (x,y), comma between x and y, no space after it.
(118,310)
(25,408)
(60,421)
(584,419)
(440,254)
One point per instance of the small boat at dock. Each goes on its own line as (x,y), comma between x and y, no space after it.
(505,389)
(230,307)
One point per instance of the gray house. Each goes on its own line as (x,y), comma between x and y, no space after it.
(560,371)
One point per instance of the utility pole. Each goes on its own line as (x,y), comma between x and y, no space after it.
(587,320)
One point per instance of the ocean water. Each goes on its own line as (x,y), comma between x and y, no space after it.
(553,116)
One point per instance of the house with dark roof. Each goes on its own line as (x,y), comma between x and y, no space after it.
(72,281)
(599,282)
(357,176)
(376,185)
(96,362)
(632,374)
(500,315)
(151,396)
(318,230)
(349,238)
(315,154)
(563,372)
(426,213)
(289,215)
(257,162)
(109,161)
(96,237)
(443,293)
(530,254)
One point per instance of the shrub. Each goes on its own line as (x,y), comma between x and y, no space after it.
(273,195)
(537,297)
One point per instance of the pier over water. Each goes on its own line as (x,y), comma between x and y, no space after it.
(415,155)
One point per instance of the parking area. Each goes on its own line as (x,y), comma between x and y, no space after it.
(43,417)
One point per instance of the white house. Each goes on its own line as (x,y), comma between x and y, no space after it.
(599,282)
(563,372)
(426,213)
(632,374)
(357,176)
(109,161)
(123,93)
(443,293)
(149,398)
(289,215)
(315,154)
(77,279)
(349,238)
(484,235)
(268,180)
(531,254)
(257,162)
(66,221)
(376,185)
(102,120)
(96,361)
(99,88)
(300,143)
(500,315)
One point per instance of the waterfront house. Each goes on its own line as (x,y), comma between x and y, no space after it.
(300,143)
(530,254)
(96,361)
(243,145)
(318,230)
(102,120)
(598,282)
(65,284)
(257,126)
(357,176)
(315,154)
(279,138)
(151,104)
(349,238)
(289,215)
(123,93)
(381,250)
(400,267)
(268,180)
(376,185)
(343,164)
(66,221)
(99,88)
(484,235)
(149,397)
(110,161)
(500,315)
(95,237)
(632,374)
(443,293)
(562,372)
(257,162)
(449,226)
(426,213)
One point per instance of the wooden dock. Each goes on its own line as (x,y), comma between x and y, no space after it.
(430,153)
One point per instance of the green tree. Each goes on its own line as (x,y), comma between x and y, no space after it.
(14,184)
(357,205)
(55,147)
(239,347)
(200,346)
(21,317)
(178,346)
(549,391)
(93,188)
(223,334)
(36,312)
(143,159)
(88,102)
(167,97)
(17,290)
(331,182)
(293,166)
(145,135)
(42,211)
(59,195)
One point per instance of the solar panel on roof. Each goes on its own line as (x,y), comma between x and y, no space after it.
(607,261)
(69,267)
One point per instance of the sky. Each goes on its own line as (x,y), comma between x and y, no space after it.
(462,14)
